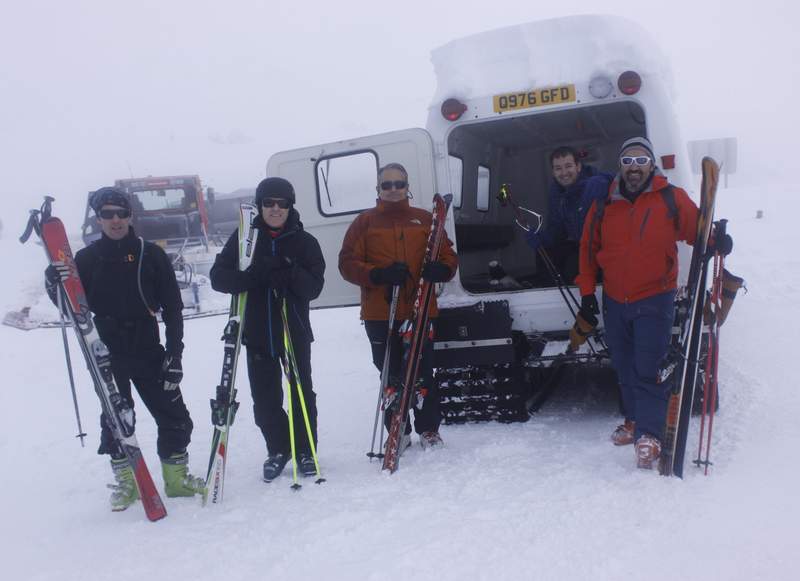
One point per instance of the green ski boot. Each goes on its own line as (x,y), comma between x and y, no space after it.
(177,480)
(125,492)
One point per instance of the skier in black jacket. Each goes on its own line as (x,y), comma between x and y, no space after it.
(287,262)
(127,280)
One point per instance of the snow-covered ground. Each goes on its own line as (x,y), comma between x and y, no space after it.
(549,499)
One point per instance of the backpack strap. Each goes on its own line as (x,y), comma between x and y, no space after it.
(668,195)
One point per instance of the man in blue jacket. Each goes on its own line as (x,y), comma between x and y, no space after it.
(573,189)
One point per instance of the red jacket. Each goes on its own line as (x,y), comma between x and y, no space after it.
(635,243)
(390,232)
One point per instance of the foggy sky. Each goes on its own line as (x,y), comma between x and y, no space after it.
(96,90)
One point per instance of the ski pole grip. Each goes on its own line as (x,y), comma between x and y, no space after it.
(46,207)
(32,222)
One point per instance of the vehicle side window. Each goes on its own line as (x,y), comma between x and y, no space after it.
(484,179)
(456,170)
(346,184)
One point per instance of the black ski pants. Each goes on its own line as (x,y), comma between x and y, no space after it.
(428,418)
(266,387)
(167,407)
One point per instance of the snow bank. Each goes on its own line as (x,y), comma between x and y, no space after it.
(545,53)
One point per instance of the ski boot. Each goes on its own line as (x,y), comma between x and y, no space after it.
(648,449)
(125,492)
(306,464)
(623,435)
(430,440)
(274,465)
(177,480)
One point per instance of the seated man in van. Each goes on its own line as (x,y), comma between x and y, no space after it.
(573,189)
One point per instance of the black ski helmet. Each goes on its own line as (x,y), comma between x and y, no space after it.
(112,196)
(274,188)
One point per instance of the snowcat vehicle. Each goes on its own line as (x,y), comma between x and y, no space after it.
(504,100)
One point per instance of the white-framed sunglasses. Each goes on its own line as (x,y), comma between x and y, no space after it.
(638,160)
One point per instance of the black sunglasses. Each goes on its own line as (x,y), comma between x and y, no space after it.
(397,185)
(121,213)
(282,203)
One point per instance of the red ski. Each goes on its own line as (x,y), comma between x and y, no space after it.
(98,359)
(417,331)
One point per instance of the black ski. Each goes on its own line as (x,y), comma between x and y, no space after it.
(683,365)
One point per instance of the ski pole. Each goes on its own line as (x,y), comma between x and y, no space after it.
(717,325)
(294,372)
(287,372)
(505,198)
(61,307)
(562,287)
(384,373)
(712,361)
(565,292)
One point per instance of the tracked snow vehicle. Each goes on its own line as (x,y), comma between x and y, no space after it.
(505,99)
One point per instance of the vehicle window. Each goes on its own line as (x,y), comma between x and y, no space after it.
(484,179)
(346,183)
(456,169)
(161,199)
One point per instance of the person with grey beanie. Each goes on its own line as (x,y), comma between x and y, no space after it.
(632,237)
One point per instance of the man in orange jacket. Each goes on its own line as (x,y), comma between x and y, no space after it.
(632,236)
(385,247)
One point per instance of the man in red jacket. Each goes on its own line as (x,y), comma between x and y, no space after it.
(632,236)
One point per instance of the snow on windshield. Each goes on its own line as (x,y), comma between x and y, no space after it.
(546,53)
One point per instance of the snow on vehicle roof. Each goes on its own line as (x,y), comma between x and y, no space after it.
(546,53)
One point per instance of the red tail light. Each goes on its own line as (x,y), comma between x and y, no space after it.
(453,109)
(629,82)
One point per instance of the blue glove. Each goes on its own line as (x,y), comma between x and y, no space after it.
(534,239)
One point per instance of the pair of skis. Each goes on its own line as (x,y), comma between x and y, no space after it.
(224,406)
(117,411)
(683,365)
(415,332)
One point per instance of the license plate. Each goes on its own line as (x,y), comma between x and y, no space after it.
(533,98)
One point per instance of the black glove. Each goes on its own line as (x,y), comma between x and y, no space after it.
(56,272)
(722,245)
(589,309)
(394,274)
(262,270)
(281,278)
(436,272)
(171,372)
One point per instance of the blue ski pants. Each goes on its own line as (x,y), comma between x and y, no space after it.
(638,335)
